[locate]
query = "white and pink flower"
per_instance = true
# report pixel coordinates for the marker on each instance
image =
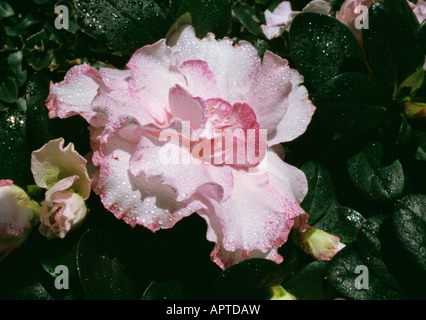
(62, 171)
(209, 84)
(18, 213)
(280, 19)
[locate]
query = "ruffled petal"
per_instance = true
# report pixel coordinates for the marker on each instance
(269, 91)
(298, 115)
(200, 80)
(152, 77)
(272, 32)
(115, 101)
(186, 107)
(232, 65)
(244, 227)
(136, 200)
(53, 162)
(281, 16)
(74, 95)
(169, 160)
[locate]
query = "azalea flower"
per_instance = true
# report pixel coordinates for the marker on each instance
(62, 171)
(17, 215)
(186, 84)
(280, 19)
(419, 10)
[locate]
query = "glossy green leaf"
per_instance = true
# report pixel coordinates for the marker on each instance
(390, 42)
(208, 15)
(320, 197)
(351, 102)
(161, 290)
(346, 279)
(123, 25)
(38, 132)
(14, 160)
(249, 278)
(342, 222)
(379, 181)
(101, 273)
(322, 47)
(403, 241)
(309, 283)
(409, 221)
(369, 248)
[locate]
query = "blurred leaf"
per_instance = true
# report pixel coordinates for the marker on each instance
(5, 10)
(323, 47)
(351, 102)
(22, 27)
(8, 90)
(240, 12)
(378, 181)
(159, 290)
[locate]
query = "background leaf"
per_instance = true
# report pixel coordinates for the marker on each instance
(322, 47)
(351, 103)
(123, 25)
(376, 180)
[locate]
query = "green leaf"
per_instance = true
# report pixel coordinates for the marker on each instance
(22, 27)
(37, 52)
(249, 278)
(403, 240)
(320, 197)
(342, 222)
(342, 275)
(5, 10)
(9, 90)
(208, 16)
(123, 25)
(240, 12)
(390, 42)
(159, 290)
(409, 221)
(351, 103)
(322, 47)
(378, 181)
(369, 248)
(38, 132)
(55, 252)
(14, 160)
(309, 282)
(101, 273)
